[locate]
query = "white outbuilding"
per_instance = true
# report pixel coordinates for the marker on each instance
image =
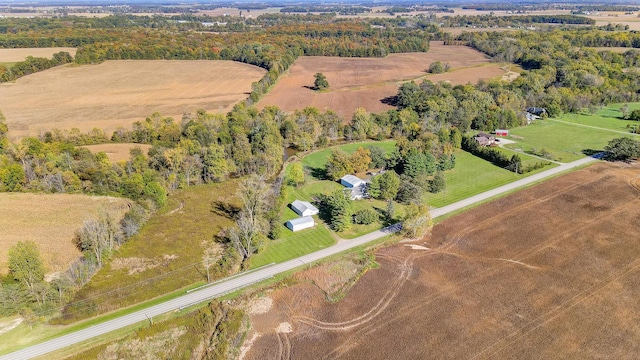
(300, 223)
(352, 181)
(304, 208)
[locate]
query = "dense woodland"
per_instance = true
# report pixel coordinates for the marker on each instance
(560, 74)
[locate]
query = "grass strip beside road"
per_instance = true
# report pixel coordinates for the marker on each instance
(9, 344)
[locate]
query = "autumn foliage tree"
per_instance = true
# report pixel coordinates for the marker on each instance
(417, 221)
(338, 164)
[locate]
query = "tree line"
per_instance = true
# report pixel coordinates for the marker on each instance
(25, 291)
(32, 65)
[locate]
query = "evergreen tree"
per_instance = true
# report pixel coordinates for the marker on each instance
(438, 183)
(340, 210)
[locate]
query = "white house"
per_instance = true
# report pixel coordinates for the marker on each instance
(300, 223)
(352, 181)
(356, 185)
(304, 208)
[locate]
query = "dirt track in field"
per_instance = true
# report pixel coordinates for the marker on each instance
(370, 82)
(549, 272)
(118, 93)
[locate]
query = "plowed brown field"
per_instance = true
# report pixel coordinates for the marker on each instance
(367, 82)
(118, 93)
(549, 272)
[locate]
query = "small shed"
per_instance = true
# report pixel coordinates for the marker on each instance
(352, 181)
(500, 132)
(300, 223)
(304, 208)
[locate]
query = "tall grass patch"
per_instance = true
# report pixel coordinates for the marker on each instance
(166, 255)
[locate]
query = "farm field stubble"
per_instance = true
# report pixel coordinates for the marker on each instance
(549, 272)
(118, 93)
(15, 55)
(370, 82)
(50, 220)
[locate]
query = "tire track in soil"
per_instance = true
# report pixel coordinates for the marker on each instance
(635, 183)
(406, 268)
(284, 346)
(280, 347)
(382, 321)
(457, 236)
(554, 313)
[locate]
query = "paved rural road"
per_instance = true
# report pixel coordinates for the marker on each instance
(240, 281)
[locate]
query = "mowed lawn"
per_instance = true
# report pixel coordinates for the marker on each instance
(294, 245)
(566, 142)
(527, 160)
(472, 175)
(609, 117)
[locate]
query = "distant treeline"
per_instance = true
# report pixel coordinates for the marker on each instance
(342, 10)
(515, 20)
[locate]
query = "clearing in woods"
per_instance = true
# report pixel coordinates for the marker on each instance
(50, 220)
(118, 93)
(371, 83)
(15, 55)
(117, 151)
(548, 272)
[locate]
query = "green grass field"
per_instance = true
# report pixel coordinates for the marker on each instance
(295, 245)
(526, 159)
(613, 110)
(566, 142)
(472, 176)
(609, 117)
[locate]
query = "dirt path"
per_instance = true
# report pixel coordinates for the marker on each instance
(6, 327)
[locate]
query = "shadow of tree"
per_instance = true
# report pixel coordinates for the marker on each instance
(590, 152)
(224, 209)
(384, 219)
(324, 210)
(319, 173)
(390, 100)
